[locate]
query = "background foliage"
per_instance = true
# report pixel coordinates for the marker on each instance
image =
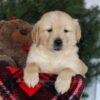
(31, 10)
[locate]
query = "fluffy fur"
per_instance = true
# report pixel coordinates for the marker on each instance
(13, 35)
(43, 57)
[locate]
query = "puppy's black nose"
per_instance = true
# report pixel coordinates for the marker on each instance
(58, 42)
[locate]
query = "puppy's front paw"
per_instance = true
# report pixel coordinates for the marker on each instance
(31, 79)
(62, 84)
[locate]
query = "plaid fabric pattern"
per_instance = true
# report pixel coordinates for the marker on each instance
(12, 86)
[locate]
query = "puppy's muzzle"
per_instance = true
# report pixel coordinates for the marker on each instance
(58, 43)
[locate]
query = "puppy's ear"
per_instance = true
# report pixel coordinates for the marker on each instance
(78, 30)
(35, 34)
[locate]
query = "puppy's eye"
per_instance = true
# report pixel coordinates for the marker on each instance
(50, 30)
(65, 30)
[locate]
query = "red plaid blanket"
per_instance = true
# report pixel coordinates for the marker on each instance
(12, 86)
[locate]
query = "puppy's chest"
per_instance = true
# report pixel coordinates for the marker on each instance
(53, 64)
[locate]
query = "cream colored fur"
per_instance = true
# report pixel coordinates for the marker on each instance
(43, 58)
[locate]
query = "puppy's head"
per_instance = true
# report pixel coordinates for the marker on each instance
(56, 31)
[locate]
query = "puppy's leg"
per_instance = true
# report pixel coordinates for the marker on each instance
(63, 80)
(31, 75)
(1, 98)
(80, 68)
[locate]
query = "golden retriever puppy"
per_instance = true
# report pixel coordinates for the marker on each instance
(54, 50)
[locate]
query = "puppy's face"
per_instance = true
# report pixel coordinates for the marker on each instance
(56, 31)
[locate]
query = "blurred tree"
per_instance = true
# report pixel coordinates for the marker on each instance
(90, 43)
(31, 10)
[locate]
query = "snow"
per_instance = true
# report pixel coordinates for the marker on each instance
(90, 3)
(95, 61)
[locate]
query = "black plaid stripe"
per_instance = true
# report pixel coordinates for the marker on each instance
(5, 93)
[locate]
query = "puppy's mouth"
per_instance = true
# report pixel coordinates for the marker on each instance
(57, 48)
